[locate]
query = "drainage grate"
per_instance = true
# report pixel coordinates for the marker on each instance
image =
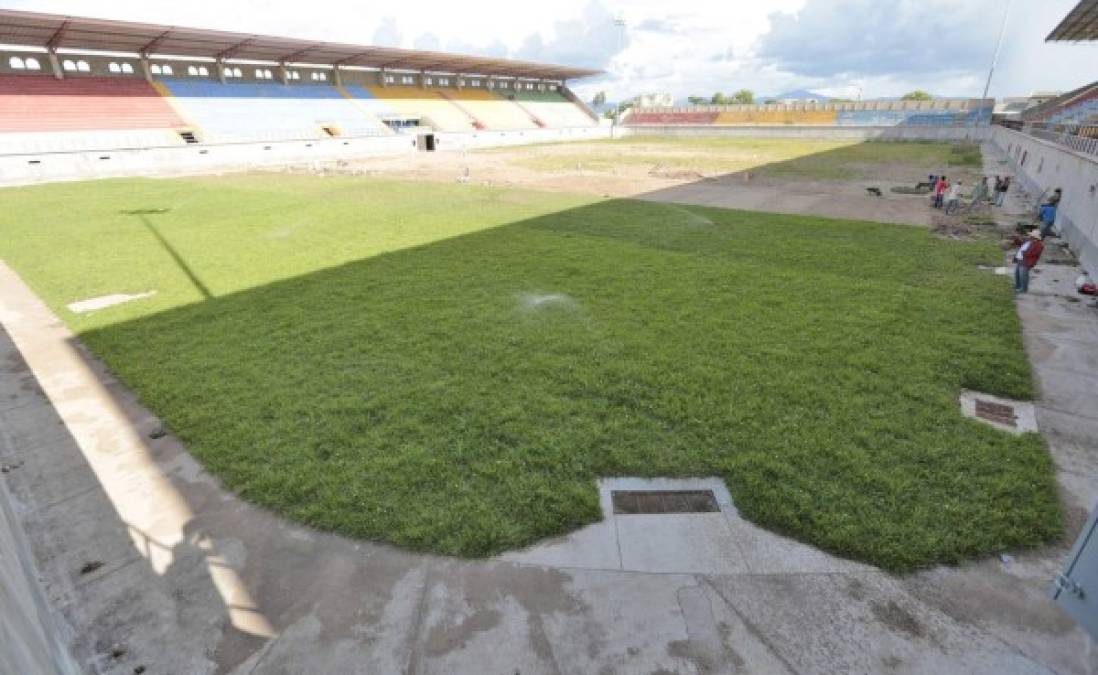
(664, 501)
(996, 412)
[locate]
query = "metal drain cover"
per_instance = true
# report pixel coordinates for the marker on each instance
(996, 412)
(664, 501)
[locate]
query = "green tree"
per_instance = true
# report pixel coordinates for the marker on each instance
(697, 100)
(917, 95)
(599, 100)
(718, 99)
(744, 96)
(618, 112)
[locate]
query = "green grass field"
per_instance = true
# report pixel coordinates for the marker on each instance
(450, 368)
(791, 158)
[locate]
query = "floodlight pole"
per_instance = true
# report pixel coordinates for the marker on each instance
(998, 44)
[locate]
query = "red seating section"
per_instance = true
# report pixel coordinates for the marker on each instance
(43, 103)
(672, 118)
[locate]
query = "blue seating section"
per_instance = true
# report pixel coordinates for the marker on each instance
(1085, 112)
(928, 118)
(253, 110)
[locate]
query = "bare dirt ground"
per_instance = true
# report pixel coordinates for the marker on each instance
(777, 175)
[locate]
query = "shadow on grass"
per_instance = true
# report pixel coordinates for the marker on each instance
(171, 251)
(462, 396)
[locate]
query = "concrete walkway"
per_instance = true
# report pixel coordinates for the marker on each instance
(180, 576)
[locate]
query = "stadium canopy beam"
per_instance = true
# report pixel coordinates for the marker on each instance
(350, 60)
(1080, 24)
(234, 50)
(58, 34)
(293, 56)
(103, 35)
(51, 50)
(154, 44)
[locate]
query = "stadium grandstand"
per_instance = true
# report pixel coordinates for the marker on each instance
(1076, 107)
(70, 84)
(936, 113)
(1070, 119)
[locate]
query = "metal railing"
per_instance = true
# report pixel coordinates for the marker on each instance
(1078, 137)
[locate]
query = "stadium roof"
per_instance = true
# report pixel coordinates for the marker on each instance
(1081, 24)
(70, 32)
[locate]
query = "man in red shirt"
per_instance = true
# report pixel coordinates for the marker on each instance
(939, 191)
(1024, 260)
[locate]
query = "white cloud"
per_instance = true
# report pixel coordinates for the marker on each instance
(388, 34)
(685, 47)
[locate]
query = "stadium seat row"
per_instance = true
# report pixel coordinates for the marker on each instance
(800, 116)
(215, 112)
(1082, 110)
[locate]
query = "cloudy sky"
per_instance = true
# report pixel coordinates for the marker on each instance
(838, 47)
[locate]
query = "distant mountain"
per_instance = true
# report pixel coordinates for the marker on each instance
(796, 94)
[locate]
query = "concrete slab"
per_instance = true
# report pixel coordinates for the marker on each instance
(711, 543)
(591, 547)
(623, 623)
(1025, 416)
(873, 625)
(32, 425)
(1068, 392)
(675, 542)
(1063, 353)
(696, 542)
(765, 552)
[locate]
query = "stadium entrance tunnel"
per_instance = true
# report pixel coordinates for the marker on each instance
(425, 142)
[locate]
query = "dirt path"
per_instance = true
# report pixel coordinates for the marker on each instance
(674, 175)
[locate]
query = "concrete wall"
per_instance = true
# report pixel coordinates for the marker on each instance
(820, 132)
(23, 169)
(164, 161)
(1043, 166)
(30, 637)
(491, 139)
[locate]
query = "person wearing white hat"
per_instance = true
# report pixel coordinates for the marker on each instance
(1025, 259)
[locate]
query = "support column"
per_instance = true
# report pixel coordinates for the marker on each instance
(55, 65)
(423, 79)
(219, 66)
(382, 78)
(459, 81)
(146, 69)
(337, 77)
(283, 74)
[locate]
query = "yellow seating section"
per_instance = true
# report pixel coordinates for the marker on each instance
(427, 104)
(492, 110)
